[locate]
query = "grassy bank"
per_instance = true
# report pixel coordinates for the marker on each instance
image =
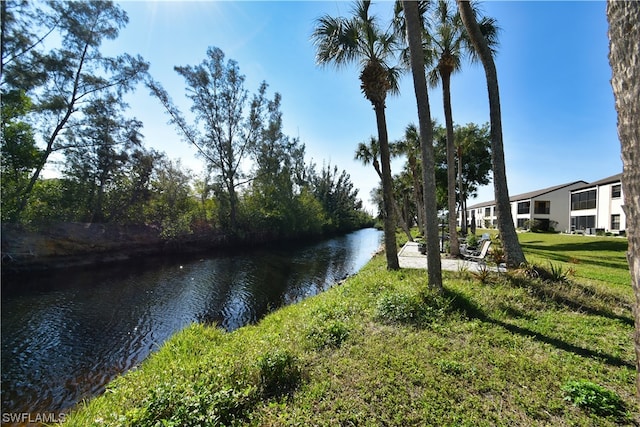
(381, 350)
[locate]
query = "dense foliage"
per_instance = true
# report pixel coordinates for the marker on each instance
(63, 106)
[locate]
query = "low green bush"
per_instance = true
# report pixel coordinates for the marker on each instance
(328, 334)
(419, 309)
(594, 398)
(279, 373)
(168, 405)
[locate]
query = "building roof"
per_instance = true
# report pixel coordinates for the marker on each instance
(604, 181)
(529, 195)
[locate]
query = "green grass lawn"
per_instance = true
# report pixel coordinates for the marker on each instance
(382, 350)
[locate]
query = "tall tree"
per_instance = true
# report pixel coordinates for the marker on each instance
(277, 159)
(360, 39)
(472, 142)
(369, 154)
(414, 38)
(226, 121)
(624, 54)
(20, 154)
(446, 46)
(74, 72)
(410, 147)
(99, 148)
(513, 252)
(338, 197)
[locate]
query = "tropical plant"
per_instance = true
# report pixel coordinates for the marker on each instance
(472, 142)
(446, 46)
(369, 154)
(624, 50)
(410, 147)
(414, 38)
(513, 251)
(360, 39)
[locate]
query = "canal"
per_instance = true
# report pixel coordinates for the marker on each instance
(65, 335)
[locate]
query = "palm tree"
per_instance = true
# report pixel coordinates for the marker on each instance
(369, 154)
(624, 51)
(513, 252)
(472, 141)
(414, 37)
(410, 147)
(341, 41)
(445, 47)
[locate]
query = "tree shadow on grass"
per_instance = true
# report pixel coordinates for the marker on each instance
(562, 251)
(472, 311)
(575, 296)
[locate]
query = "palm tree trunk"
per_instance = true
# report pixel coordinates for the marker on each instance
(454, 247)
(463, 195)
(414, 35)
(417, 192)
(390, 244)
(401, 221)
(624, 51)
(512, 250)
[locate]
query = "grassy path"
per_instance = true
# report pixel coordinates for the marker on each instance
(381, 350)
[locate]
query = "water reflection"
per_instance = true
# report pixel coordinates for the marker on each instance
(64, 336)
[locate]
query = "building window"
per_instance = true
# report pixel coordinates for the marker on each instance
(615, 222)
(583, 200)
(487, 211)
(524, 207)
(616, 191)
(522, 222)
(542, 207)
(583, 222)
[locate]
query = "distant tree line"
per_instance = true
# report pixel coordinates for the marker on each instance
(63, 104)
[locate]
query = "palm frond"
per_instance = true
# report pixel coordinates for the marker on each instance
(433, 77)
(394, 74)
(335, 40)
(489, 29)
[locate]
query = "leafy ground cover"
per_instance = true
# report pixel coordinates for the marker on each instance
(529, 347)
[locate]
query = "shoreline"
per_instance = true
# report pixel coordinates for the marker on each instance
(81, 245)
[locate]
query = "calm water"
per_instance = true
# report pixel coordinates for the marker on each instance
(64, 336)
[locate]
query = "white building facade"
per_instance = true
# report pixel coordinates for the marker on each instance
(597, 207)
(545, 209)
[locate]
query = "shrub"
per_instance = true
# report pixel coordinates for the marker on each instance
(279, 373)
(530, 271)
(416, 309)
(472, 240)
(484, 275)
(328, 334)
(170, 406)
(594, 398)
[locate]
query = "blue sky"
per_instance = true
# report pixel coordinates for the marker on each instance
(559, 121)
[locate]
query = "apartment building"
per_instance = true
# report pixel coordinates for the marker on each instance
(548, 208)
(598, 207)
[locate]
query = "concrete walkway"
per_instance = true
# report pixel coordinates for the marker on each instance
(410, 257)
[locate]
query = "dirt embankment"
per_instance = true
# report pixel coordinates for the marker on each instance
(78, 244)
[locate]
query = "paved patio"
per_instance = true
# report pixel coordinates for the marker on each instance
(410, 257)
